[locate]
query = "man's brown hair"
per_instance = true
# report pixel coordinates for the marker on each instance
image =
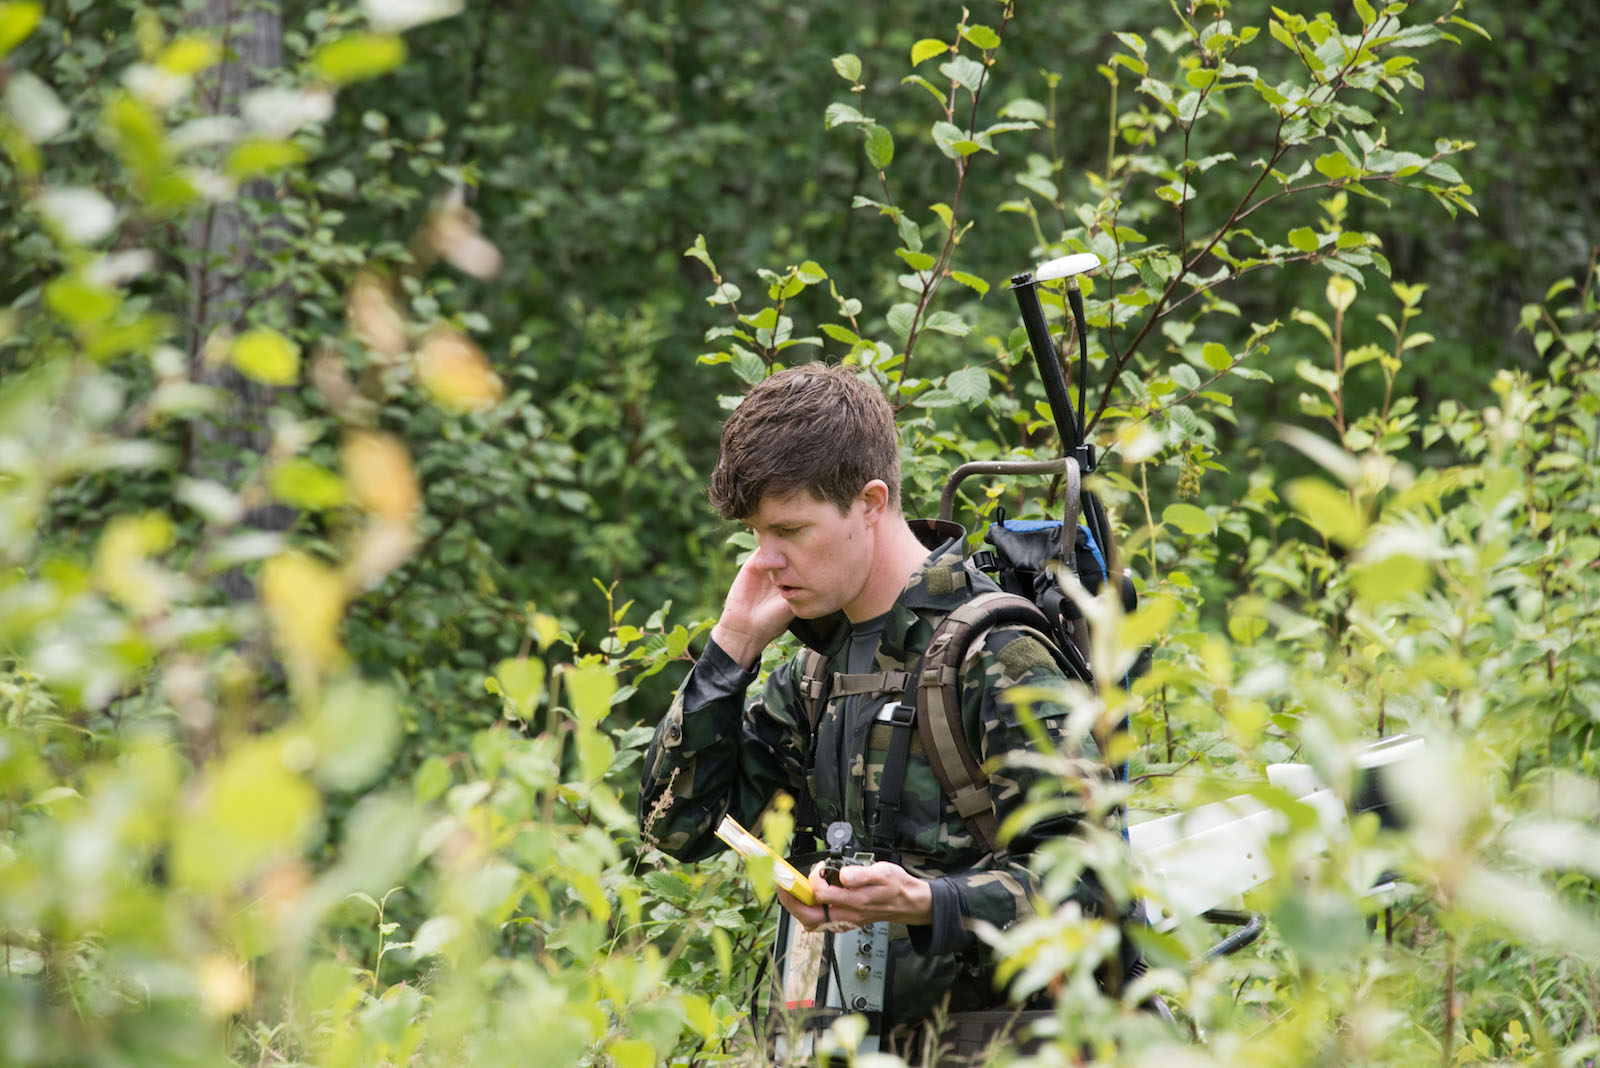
(815, 428)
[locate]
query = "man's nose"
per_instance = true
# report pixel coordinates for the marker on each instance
(768, 557)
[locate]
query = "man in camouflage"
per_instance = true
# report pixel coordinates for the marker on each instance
(810, 462)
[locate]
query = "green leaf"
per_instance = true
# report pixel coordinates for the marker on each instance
(1215, 356)
(982, 36)
(840, 114)
(698, 251)
(359, 57)
(910, 233)
(590, 688)
(841, 334)
(190, 54)
(879, 147)
(933, 90)
(17, 21)
(1341, 293)
(1327, 509)
(266, 356)
(937, 397)
(1035, 183)
(749, 367)
(307, 485)
(355, 731)
(1024, 109)
(1303, 238)
(1320, 377)
(917, 261)
(1189, 519)
(963, 71)
(945, 136)
(78, 300)
(522, 682)
(971, 281)
(948, 322)
(250, 810)
(256, 157)
(848, 66)
(899, 319)
(926, 49)
(1334, 165)
(765, 319)
(632, 1053)
(970, 384)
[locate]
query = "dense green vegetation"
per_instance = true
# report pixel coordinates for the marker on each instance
(360, 366)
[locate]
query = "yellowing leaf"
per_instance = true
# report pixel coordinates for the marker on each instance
(1151, 619)
(632, 1053)
(16, 23)
(258, 156)
(522, 681)
(121, 564)
(926, 49)
(359, 56)
(190, 54)
(251, 811)
(456, 372)
(1327, 509)
(377, 470)
(224, 985)
(453, 232)
(1341, 292)
(306, 485)
(544, 628)
(590, 688)
(266, 356)
(376, 321)
(304, 602)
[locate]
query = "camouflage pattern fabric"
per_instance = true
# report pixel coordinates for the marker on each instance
(726, 756)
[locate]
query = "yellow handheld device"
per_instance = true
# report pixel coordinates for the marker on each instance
(748, 845)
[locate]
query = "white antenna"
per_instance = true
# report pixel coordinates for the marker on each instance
(1067, 267)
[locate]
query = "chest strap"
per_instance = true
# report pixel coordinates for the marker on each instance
(894, 682)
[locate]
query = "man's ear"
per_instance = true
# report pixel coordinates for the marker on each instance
(875, 497)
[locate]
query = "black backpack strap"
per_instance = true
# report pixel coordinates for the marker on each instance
(815, 682)
(891, 782)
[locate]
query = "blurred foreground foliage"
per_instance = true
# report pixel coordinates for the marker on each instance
(329, 642)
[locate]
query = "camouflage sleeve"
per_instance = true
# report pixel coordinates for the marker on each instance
(1000, 894)
(713, 755)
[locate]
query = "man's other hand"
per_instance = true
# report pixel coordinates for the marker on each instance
(754, 615)
(870, 893)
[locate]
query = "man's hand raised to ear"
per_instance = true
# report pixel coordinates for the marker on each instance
(754, 615)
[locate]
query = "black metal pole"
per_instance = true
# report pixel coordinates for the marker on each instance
(1044, 355)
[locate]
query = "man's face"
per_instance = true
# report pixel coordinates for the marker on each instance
(818, 557)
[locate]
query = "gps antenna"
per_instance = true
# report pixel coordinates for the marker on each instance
(1069, 422)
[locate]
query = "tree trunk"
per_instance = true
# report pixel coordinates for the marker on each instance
(227, 245)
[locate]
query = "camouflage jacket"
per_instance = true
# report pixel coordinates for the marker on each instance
(715, 754)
